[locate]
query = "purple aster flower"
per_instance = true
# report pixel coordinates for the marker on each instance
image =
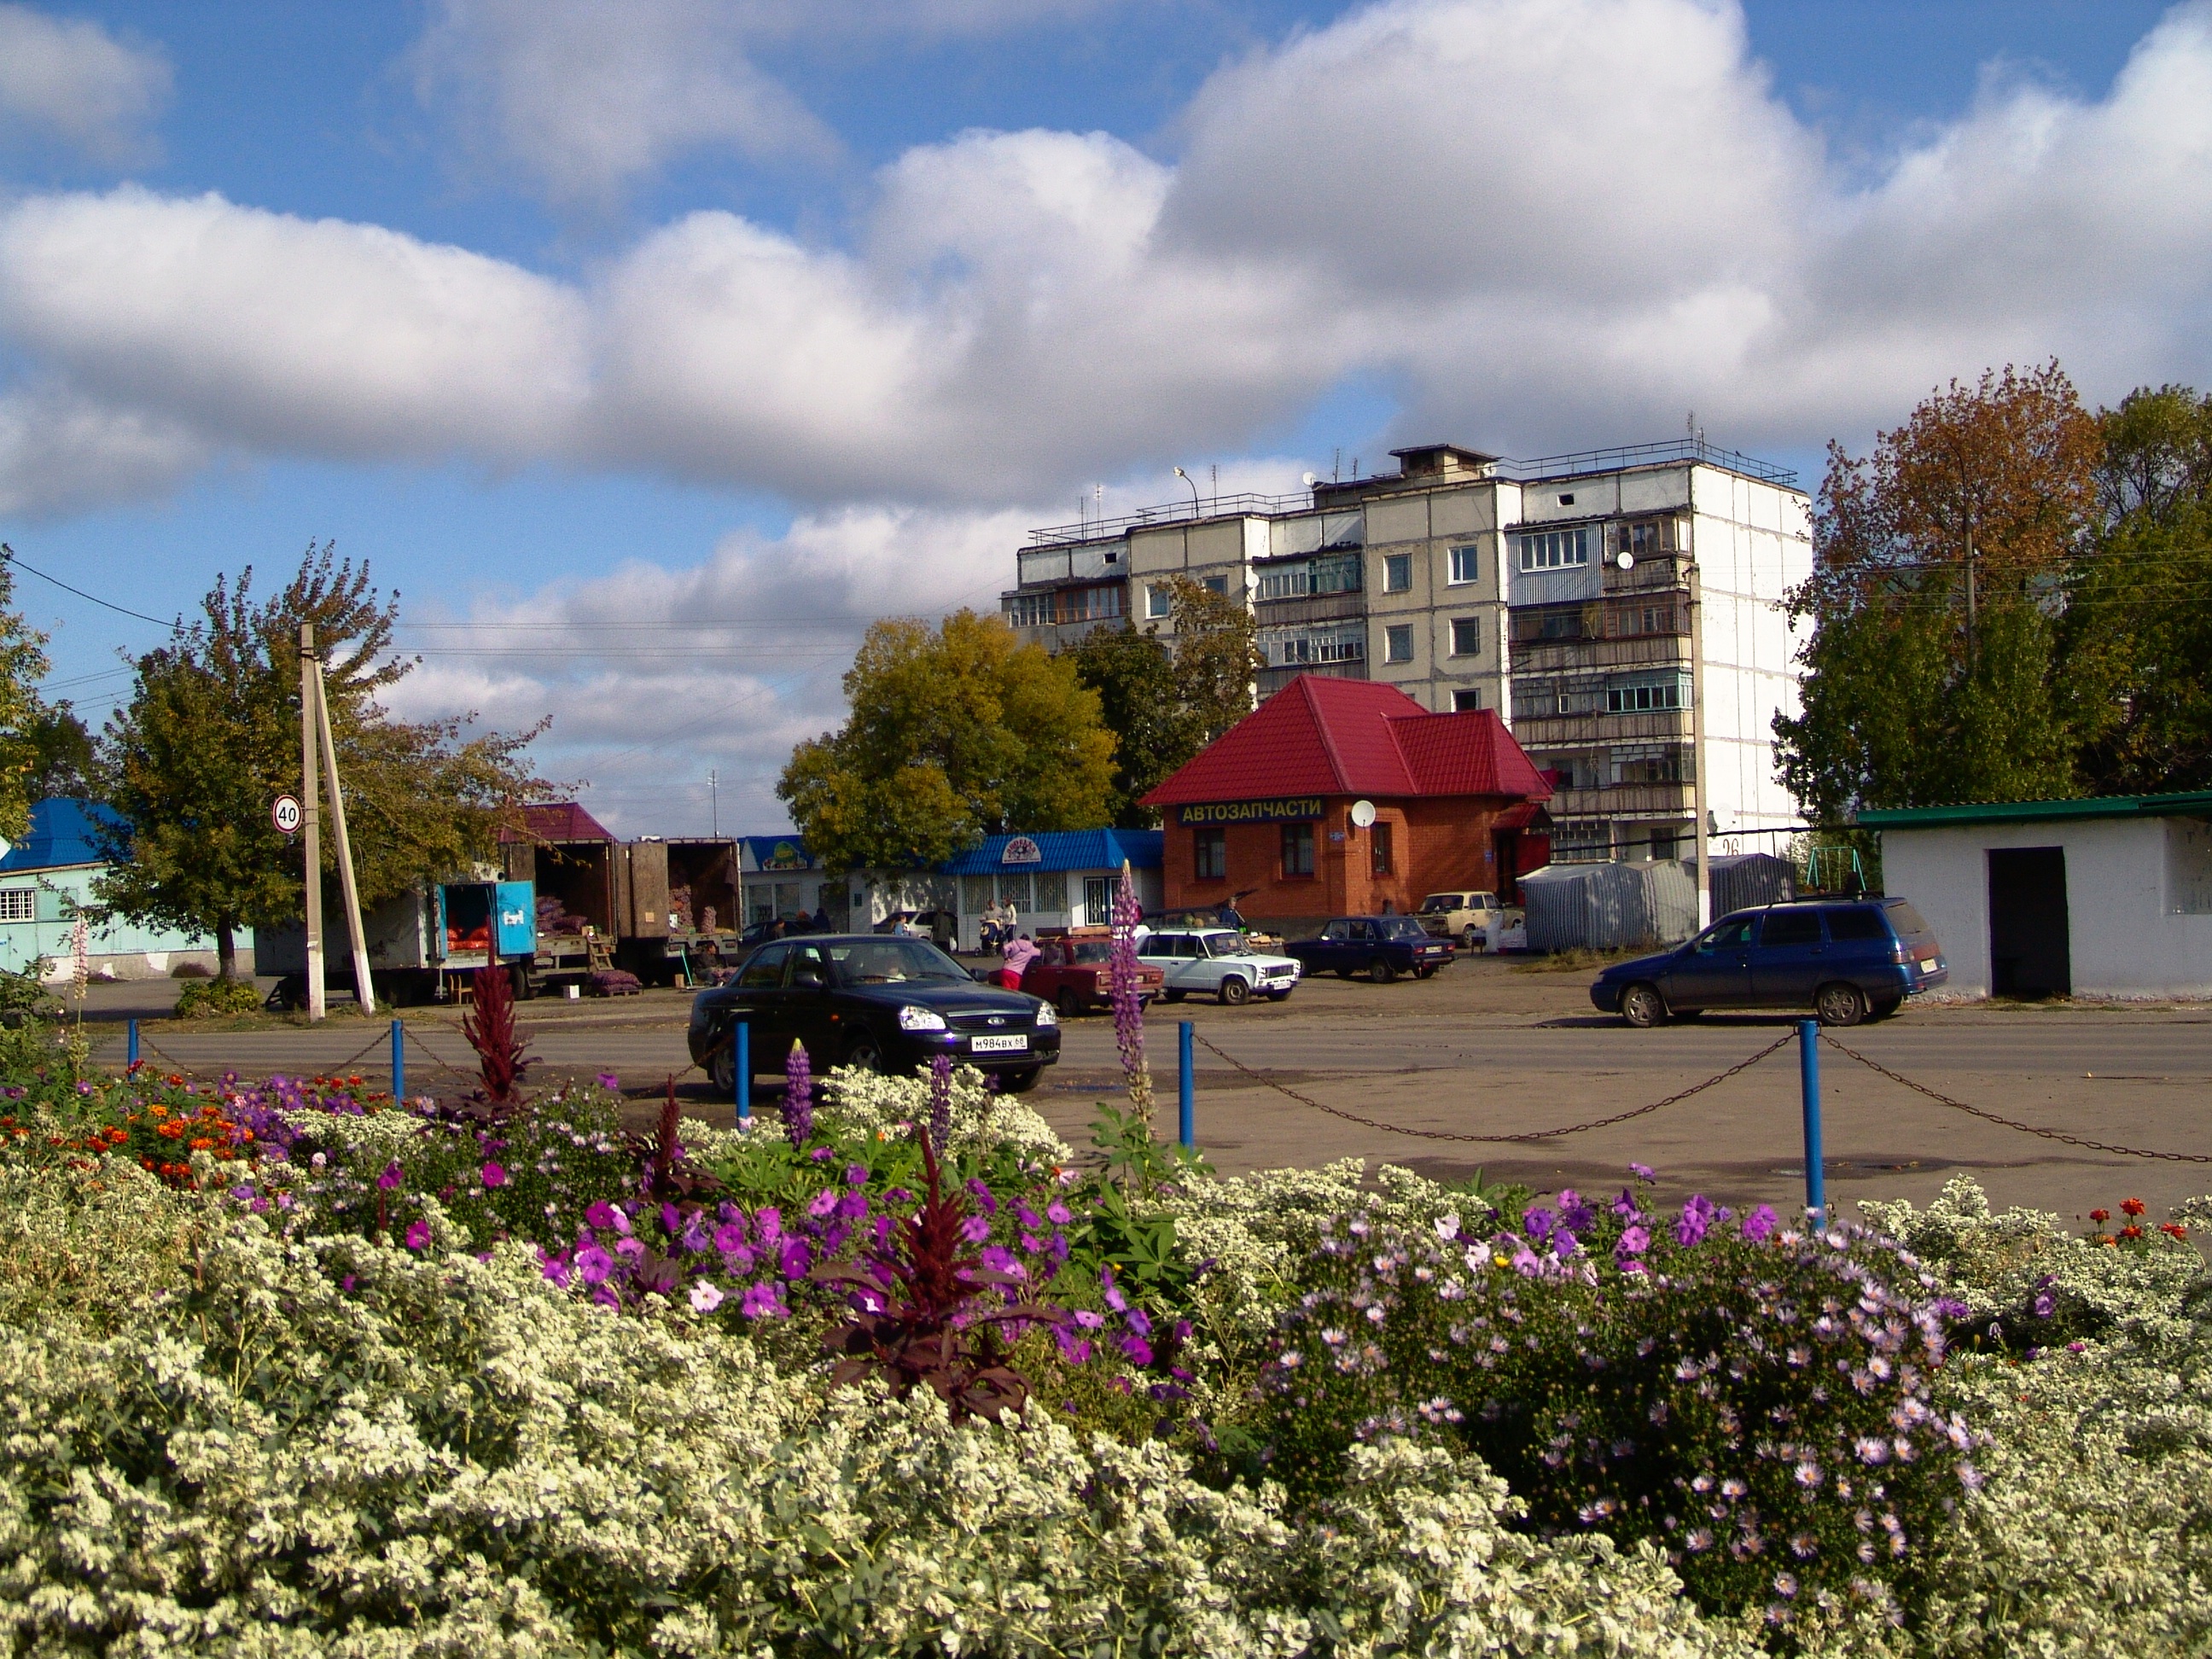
(1759, 1224)
(391, 1176)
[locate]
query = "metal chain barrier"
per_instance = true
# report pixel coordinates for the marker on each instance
(433, 1057)
(1773, 1047)
(1941, 1099)
(179, 1066)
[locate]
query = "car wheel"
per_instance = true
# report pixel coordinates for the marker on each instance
(1885, 1008)
(1170, 996)
(1473, 938)
(1381, 971)
(1070, 1003)
(864, 1052)
(1838, 1004)
(1424, 973)
(1642, 1007)
(1236, 992)
(1019, 1082)
(723, 1069)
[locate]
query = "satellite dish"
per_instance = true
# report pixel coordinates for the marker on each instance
(1309, 481)
(1626, 561)
(1363, 814)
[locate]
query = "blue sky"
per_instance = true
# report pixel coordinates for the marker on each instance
(586, 323)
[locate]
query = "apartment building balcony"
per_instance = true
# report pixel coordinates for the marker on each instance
(1580, 731)
(1297, 612)
(1617, 803)
(1273, 680)
(1579, 656)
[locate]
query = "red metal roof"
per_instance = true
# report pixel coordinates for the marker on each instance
(1319, 735)
(559, 821)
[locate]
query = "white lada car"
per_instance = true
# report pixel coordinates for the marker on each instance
(1215, 961)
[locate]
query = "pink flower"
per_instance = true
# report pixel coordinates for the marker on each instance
(418, 1235)
(1634, 1241)
(601, 1214)
(705, 1297)
(391, 1177)
(493, 1176)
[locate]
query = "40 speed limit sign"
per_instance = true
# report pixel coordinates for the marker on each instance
(284, 813)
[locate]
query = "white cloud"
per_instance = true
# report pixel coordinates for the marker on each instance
(72, 81)
(60, 452)
(1544, 223)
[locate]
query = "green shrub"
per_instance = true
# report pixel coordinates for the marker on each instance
(212, 999)
(1753, 1399)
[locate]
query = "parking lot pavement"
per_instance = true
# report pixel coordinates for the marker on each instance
(1484, 1050)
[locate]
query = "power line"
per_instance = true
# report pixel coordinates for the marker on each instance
(8, 554)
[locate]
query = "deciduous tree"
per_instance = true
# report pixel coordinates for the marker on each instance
(955, 733)
(1217, 658)
(211, 736)
(1941, 561)
(22, 664)
(1141, 703)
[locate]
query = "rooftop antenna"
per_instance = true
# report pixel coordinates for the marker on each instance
(1355, 468)
(1213, 480)
(1336, 465)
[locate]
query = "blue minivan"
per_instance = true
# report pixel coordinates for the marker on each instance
(1846, 960)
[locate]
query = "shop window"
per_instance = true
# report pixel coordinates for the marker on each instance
(1210, 854)
(1297, 850)
(1379, 842)
(1467, 637)
(1398, 644)
(1397, 573)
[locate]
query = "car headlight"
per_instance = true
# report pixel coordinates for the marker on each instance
(912, 1018)
(1045, 1016)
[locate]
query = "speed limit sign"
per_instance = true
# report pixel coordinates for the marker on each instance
(285, 814)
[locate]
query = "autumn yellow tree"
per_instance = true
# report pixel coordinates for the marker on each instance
(955, 733)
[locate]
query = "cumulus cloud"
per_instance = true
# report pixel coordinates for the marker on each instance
(61, 452)
(71, 81)
(1543, 223)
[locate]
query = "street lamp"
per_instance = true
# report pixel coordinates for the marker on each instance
(1193, 482)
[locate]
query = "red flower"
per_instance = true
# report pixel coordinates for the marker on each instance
(2100, 1215)
(2132, 1205)
(2172, 1231)
(2131, 1233)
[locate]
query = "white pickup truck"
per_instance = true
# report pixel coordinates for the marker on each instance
(1466, 917)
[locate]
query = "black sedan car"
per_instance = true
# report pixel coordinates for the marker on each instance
(888, 1004)
(1381, 947)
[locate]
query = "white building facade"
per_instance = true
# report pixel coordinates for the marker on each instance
(1555, 591)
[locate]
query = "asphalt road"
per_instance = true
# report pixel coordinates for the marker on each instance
(1481, 1050)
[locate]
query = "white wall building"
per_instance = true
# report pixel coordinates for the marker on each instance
(1555, 591)
(2107, 897)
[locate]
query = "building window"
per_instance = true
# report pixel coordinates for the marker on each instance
(1554, 550)
(1216, 585)
(1301, 647)
(1340, 574)
(1397, 573)
(1297, 850)
(1209, 858)
(1644, 696)
(1092, 604)
(18, 904)
(1467, 637)
(1158, 602)
(1467, 703)
(1028, 610)
(1651, 763)
(1379, 840)
(1464, 565)
(1647, 537)
(1398, 644)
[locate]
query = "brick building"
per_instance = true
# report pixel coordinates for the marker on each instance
(1264, 813)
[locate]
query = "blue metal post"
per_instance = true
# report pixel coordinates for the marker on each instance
(130, 1045)
(1808, 1074)
(1186, 1118)
(398, 1061)
(744, 1057)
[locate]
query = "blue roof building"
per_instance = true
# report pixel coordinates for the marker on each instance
(45, 882)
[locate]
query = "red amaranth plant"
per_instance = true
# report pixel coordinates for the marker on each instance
(490, 1031)
(915, 1321)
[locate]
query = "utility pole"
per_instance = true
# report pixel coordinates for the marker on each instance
(1970, 600)
(1698, 741)
(715, 802)
(364, 990)
(310, 829)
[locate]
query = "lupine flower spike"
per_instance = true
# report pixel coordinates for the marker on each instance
(1129, 1013)
(797, 1096)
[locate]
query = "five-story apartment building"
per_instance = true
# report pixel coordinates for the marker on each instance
(1556, 592)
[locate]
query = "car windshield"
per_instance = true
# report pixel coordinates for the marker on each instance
(1225, 944)
(891, 960)
(1906, 920)
(1399, 928)
(1436, 902)
(1091, 949)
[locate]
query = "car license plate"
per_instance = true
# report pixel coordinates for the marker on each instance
(1000, 1045)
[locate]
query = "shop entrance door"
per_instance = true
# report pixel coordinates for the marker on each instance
(2030, 953)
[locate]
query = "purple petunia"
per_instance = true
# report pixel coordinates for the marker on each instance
(1537, 1224)
(418, 1235)
(823, 1202)
(975, 1229)
(593, 1265)
(1695, 1221)
(764, 1300)
(1575, 1216)
(1633, 1241)
(1759, 1224)
(391, 1176)
(600, 1215)
(1643, 1172)
(494, 1174)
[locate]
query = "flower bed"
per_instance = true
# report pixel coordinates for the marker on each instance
(905, 1372)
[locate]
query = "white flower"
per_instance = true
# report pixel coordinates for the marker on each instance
(705, 1298)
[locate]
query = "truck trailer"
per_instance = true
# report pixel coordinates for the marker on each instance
(417, 941)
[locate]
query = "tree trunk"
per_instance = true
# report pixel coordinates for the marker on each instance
(225, 951)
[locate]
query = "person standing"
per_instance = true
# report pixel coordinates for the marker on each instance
(1017, 955)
